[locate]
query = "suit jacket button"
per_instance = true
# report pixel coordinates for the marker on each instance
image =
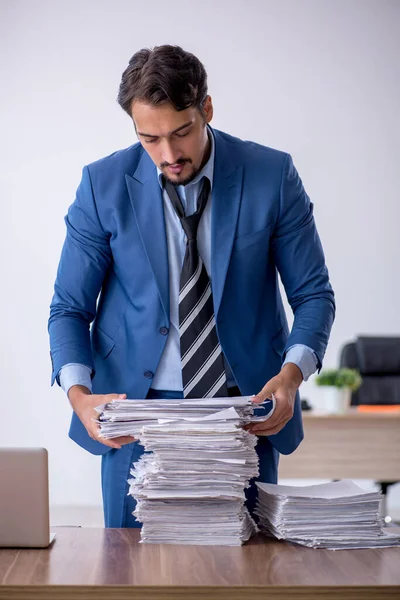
(148, 374)
(164, 330)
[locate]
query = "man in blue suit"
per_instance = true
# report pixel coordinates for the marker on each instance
(182, 235)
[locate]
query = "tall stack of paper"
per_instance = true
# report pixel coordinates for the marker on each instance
(190, 484)
(334, 515)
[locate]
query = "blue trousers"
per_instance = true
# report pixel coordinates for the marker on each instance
(116, 464)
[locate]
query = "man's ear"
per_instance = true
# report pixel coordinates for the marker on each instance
(208, 109)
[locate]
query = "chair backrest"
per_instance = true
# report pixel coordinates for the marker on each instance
(378, 360)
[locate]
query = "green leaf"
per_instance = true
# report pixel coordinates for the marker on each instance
(340, 378)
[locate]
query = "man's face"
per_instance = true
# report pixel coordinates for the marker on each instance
(176, 141)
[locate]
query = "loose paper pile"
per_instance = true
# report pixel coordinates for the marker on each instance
(189, 486)
(129, 417)
(336, 515)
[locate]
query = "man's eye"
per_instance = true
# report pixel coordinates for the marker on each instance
(150, 141)
(182, 134)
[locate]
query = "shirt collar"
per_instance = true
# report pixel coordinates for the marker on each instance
(206, 171)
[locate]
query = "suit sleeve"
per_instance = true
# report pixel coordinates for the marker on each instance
(300, 260)
(85, 260)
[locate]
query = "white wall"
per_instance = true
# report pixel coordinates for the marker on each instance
(317, 78)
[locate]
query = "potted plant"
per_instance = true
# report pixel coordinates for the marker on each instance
(338, 385)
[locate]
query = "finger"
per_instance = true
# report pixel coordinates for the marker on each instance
(273, 431)
(125, 439)
(271, 423)
(115, 396)
(262, 429)
(114, 442)
(117, 442)
(268, 427)
(260, 426)
(109, 443)
(281, 413)
(95, 434)
(266, 392)
(276, 418)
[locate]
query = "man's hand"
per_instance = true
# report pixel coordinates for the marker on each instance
(284, 387)
(84, 403)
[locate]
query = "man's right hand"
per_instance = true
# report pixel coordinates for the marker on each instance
(84, 403)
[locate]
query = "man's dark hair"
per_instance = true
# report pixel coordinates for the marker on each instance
(163, 74)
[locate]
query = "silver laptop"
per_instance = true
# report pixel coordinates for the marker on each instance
(24, 498)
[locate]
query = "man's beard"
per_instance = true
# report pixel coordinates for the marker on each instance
(184, 180)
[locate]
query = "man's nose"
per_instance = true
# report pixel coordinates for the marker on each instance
(169, 154)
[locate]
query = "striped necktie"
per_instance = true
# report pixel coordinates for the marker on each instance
(203, 369)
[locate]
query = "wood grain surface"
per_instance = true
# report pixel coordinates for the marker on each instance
(352, 445)
(88, 563)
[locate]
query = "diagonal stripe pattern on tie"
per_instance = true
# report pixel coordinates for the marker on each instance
(203, 369)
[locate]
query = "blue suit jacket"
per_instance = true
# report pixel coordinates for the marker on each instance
(262, 223)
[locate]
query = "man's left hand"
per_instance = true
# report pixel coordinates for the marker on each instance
(284, 387)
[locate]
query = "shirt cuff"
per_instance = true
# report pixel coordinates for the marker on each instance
(75, 374)
(304, 357)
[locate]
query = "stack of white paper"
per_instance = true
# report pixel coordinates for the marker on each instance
(189, 485)
(334, 515)
(128, 417)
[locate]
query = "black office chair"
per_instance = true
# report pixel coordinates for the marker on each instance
(378, 361)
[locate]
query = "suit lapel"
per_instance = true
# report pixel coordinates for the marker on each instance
(226, 197)
(147, 202)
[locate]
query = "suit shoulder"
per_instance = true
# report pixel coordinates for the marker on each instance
(250, 149)
(262, 164)
(124, 160)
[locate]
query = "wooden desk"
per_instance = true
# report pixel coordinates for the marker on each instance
(352, 445)
(88, 564)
